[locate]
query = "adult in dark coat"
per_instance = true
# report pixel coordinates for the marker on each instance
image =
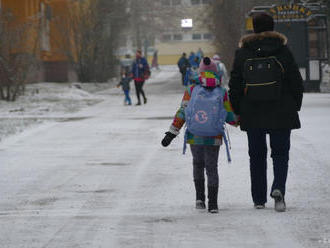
(183, 65)
(276, 118)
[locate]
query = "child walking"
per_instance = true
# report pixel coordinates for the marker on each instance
(125, 84)
(204, 149)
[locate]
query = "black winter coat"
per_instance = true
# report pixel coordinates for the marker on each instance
(269, 115)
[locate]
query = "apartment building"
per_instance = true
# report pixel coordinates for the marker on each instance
(186, 30)
(37, 15)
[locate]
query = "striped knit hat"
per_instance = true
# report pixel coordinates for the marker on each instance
(208, 73)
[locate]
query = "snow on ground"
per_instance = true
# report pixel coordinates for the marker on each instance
(46, 101)
(53, 101)
(101, 179)
(325, 84)
(165, 72)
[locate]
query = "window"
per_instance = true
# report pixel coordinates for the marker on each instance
(166, 2)
(177, 37)
(176, 2)
(166, 37)
(207, 36)
(171, 2)
(196, 36)
(194, 2)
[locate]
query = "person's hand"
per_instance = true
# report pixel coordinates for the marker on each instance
(168, 139)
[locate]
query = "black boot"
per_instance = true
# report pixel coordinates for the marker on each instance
(200, 194)
(213, 199)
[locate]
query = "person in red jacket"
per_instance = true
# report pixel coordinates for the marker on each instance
(140, 72)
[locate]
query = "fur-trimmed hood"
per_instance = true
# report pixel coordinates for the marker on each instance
(270, 35)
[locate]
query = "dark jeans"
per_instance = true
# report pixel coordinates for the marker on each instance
(205, 157)
(280, 146)
(139, 90)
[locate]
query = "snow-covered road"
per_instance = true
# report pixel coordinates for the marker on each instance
(101, 179)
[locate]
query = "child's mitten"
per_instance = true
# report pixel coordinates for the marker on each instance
(168, 139)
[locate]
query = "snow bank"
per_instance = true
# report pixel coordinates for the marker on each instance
(47, 101)
(325, 84)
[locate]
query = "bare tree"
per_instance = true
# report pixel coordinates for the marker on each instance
(18, 54)
(89, 33)
(228, 23)
(147, 19)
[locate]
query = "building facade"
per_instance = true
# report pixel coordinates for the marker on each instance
(37, 16)
(183, 28)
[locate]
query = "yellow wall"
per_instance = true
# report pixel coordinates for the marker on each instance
(170, 52)
(26, 20)
(59, 10)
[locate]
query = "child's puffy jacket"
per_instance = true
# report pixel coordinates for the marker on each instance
(179, 120)
(125, 81)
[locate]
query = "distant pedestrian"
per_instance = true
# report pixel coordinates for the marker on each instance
(266, 90)
(125, 84)
(222, 70)
(193, 61)
(200, 54)
(140, 72)
(214, 105)
(154, 63)
(183, 65)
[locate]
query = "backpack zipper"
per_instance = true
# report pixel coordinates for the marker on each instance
(262, 84)
(273, 57)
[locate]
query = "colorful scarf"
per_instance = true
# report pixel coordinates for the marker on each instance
(209, 79)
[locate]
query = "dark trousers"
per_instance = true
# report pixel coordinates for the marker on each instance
(139, 90)
(205, 157)
(183, 75)
(280, 146)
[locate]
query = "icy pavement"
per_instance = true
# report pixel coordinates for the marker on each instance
(101, 179)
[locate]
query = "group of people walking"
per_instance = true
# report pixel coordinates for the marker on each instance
(139, 71)
(188, 67)
(264, 97)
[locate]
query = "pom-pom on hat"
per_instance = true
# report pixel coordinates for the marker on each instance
(208, 65)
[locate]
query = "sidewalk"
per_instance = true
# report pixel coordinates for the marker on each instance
(103, 180)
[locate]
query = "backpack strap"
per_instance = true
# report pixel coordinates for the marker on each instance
(227, 146)
(185, 141)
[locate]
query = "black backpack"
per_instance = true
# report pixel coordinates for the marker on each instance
(263, 78)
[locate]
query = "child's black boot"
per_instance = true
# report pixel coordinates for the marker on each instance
(213, 199)
(200, 194)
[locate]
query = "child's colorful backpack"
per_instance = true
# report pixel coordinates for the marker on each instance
(205, 114)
